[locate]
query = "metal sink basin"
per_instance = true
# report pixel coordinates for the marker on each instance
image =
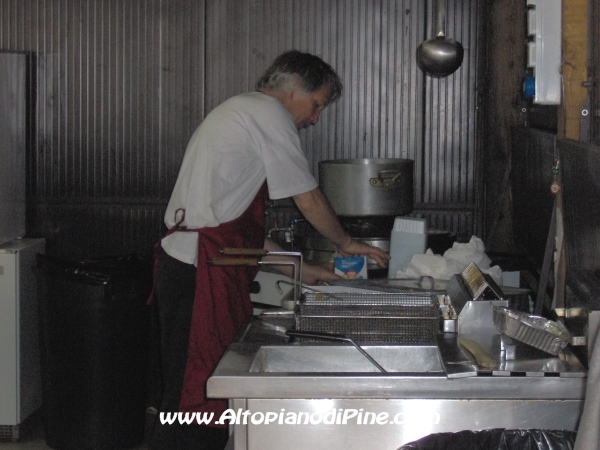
(342, 358)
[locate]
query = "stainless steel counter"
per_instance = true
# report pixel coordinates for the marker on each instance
(264, 374)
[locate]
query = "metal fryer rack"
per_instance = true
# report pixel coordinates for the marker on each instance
(367, 299)
(401, 318)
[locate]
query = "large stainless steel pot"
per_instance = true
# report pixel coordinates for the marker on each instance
(368, 187)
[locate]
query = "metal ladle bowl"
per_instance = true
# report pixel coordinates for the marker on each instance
(440, 56)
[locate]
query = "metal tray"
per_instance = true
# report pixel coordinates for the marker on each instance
(546, 335)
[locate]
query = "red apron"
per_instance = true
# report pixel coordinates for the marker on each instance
(221, 304)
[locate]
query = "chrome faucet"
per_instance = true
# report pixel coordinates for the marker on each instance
(289, 231)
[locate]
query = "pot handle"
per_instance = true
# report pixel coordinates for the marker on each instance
(391, 176)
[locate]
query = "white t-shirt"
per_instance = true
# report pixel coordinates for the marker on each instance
(244, 140)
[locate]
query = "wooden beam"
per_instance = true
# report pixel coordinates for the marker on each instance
(574, 66)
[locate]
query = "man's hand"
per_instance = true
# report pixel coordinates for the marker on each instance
(355, 247)
(317, 210)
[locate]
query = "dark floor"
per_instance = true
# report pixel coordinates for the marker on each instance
(31, 436)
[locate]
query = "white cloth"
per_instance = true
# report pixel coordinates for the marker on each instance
(244, 140)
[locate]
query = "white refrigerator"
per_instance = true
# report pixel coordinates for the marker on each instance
(20, 382)
(20, 385)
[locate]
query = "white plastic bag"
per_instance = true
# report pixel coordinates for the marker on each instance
(474, 251)
(454, 261)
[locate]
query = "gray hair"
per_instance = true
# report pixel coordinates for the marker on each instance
(296, 69)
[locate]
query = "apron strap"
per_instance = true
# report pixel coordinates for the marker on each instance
(157, 247)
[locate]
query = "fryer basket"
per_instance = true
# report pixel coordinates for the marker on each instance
(372, 318)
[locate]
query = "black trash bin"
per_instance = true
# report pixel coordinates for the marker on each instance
(496, 439)
(94, 326)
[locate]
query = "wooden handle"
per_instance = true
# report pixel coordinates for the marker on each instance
(244, 251)
(233, 262)
(482, 356)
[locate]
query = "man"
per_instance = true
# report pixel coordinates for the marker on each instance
(245, 147)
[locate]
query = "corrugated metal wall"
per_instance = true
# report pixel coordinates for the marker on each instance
(371, 44)
(117, 89)
(594, 68)
(449, 167)
(119, 86)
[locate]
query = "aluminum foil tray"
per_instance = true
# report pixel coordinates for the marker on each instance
(546, 335)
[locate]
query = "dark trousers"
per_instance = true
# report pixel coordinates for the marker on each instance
(174, 299)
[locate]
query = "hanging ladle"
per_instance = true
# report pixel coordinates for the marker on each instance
(440, 56)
